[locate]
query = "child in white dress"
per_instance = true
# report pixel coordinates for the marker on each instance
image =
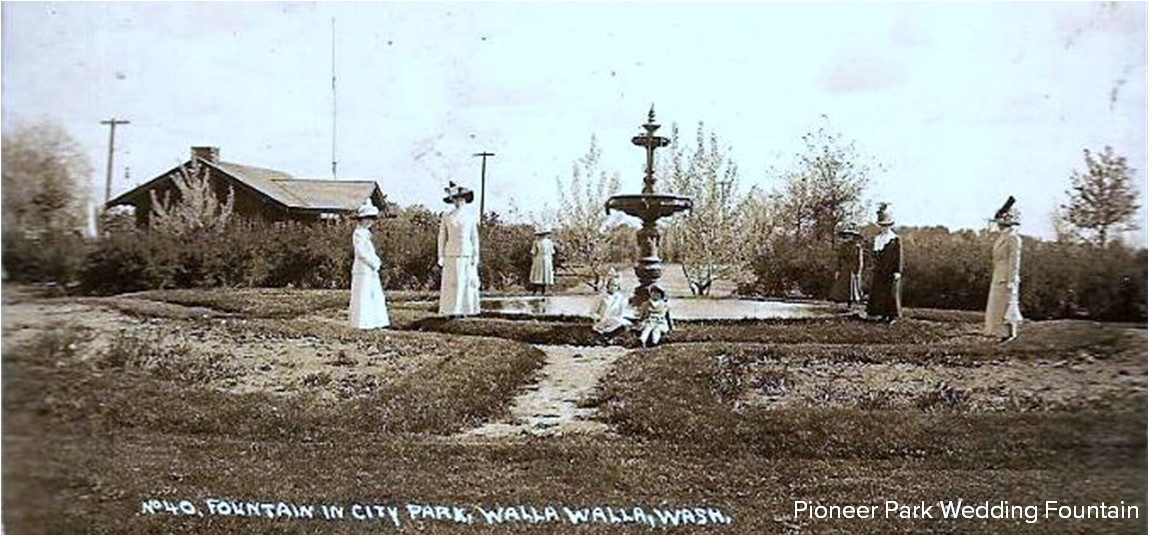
(610, 310)
(656, 320)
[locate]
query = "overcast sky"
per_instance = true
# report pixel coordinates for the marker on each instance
(962, 103)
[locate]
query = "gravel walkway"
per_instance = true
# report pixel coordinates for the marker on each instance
(551, 406)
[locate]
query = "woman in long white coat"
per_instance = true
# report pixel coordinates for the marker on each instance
(368, 308)
(459, 256)
(542, 261)
(1002, 310)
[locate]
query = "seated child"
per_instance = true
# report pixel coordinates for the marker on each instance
(609, 311)
(655, 320)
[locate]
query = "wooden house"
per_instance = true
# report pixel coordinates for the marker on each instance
(260, 194)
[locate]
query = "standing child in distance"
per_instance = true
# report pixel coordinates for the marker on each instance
(542, 261)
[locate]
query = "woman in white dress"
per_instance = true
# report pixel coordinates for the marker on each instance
(1002, 311)
(459, 256)
(368, 309)
(542, 261)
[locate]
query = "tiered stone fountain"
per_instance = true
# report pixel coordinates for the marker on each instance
(649, 207)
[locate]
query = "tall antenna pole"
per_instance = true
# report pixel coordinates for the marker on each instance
(334, 104)
(483, 184)
(111, 149)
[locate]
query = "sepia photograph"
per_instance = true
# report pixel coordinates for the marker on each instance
(531, 267)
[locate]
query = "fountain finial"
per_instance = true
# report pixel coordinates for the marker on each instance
(650, 116)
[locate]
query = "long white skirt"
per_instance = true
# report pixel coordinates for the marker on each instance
(368, 305)
(542, 270)
(1001, 309)
(459, 290)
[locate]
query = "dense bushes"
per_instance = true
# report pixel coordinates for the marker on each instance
(506, 255)
(952, 270)
(943, 269)
(49, 256)
(316, 255)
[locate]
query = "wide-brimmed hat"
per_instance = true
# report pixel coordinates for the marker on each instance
(454, 191)
(366, 211)
(849, 232)
(1008, 214)
(544, 231)
(884, 217)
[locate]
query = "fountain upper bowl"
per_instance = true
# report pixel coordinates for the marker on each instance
(649, 205)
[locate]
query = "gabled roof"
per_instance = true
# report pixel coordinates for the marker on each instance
(318, 194)
(305, 194)
(266, 181)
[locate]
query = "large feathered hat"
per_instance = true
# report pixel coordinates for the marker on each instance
(884, 217)
(1008, 214)
(454, 191)
(849, 232)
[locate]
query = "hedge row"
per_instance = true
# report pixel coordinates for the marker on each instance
(952, 270)
(943, 269)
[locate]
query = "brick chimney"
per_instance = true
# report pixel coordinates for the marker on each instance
(210, 154)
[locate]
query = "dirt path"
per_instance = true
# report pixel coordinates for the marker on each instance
(551, 406)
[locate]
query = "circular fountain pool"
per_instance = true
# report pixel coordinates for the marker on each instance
(681, 309)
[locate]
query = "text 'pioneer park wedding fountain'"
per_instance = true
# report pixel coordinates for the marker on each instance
(649, 207)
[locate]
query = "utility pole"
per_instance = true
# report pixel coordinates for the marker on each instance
(483, 184)
(111, 149)
(334, 105)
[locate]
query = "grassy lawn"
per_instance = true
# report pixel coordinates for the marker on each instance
(264, 395)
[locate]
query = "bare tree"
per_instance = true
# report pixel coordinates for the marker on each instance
(1102, 199)
(46, 179)
(197, 208)
(709, 242)
(583, 224)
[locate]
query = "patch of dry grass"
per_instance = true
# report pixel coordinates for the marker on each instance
(88, 439)
(695, 394)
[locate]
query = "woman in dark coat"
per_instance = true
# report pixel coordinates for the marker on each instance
(886, 286)
(847, 287)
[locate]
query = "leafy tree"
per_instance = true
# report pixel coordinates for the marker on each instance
(583, 224)
(46, 190)
(197, 208)
(795, 226)
(825, 188)
(708, 242)
(46, 179)
(1102, 199)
